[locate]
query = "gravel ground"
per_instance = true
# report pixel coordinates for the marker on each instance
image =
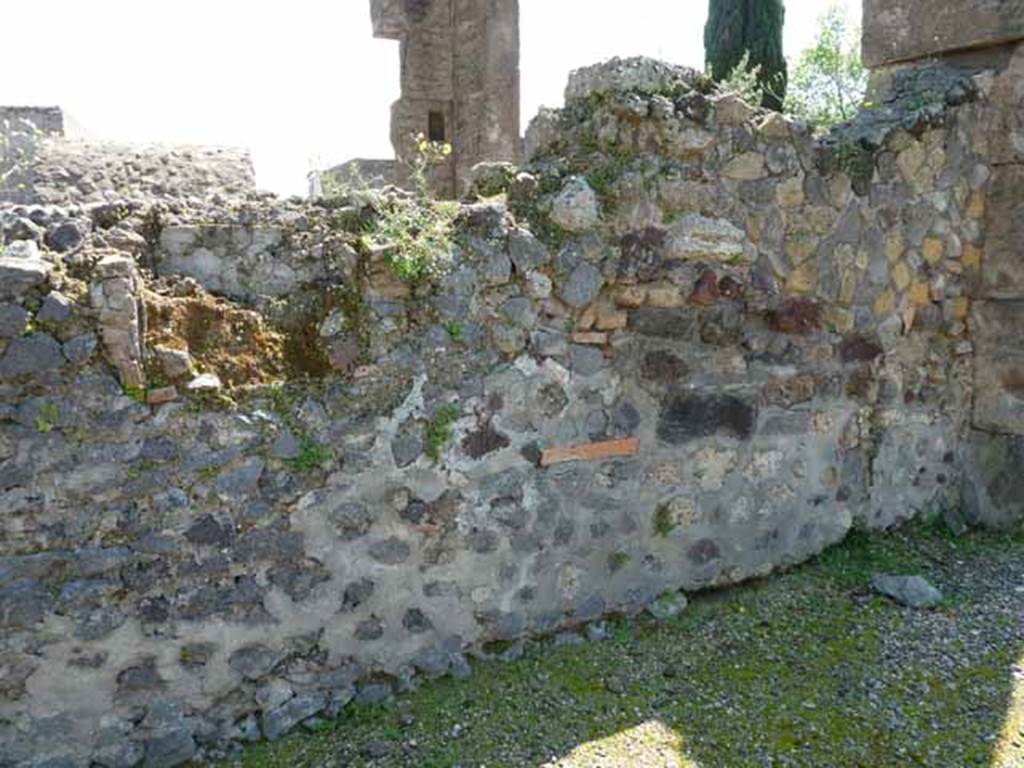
(809, 668)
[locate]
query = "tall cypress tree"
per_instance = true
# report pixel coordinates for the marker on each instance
(753, 27)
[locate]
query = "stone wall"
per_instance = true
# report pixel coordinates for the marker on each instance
(690, 344)
(48, 120)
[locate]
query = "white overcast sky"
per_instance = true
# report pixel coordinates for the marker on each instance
(300, 82)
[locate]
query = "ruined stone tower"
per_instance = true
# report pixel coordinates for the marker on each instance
(459, 80)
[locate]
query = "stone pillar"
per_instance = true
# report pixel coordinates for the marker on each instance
(986, 34)
(459, 79)
(116, 295)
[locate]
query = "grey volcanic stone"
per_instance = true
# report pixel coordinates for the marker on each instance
(391, 551)
(114, 749)
(13, 321)
(21, 269)
(356, 593)
(525, 250)
(23, 604)
(278, 722)
(140, 679)
(298, 580)
(416, 622)
(519, 310)
(576, 208)
(254, 661)
(286, 446)
(407, 445)
(585, 360)
(80, 348)
(496, 268)
(550, 343)
(433, 662)
(247, 729)
(912, 591)
(208, 531)
(171, 748)
(370, 629)
(668, 323)
(374, 693)
(352, 519)
(67, 236)
(20, 228)
(582, 285)
(56, 308)
(690, 417)
(625, 418)
(30, 354)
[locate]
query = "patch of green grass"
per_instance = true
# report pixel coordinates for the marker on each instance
(454, 329)
(138, 394)
(312, 455)
(207, 473)
(439, 432)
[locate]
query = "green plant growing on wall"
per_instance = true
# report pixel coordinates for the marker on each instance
(439, 432)
(47, 417)
(417, 231)
(829, 79)
(312, 455)
(454, 329)
(617, 561)
(138, 394)
(664, 522)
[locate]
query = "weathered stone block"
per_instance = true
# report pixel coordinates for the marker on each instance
(699, 238)
(993, 485)
(999, 366)
(901, 30)
(30, 354)
(18, 275)
(254, 661)
(13, 320)
(1002, 264)
(691, 417)
(278, 722)
(669, 323)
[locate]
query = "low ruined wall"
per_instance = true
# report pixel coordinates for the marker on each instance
(39, 166)
(693, 345)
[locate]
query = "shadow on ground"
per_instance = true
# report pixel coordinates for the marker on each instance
(809, 668)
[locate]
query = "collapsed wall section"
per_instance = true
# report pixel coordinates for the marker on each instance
(40, 166)
(688, 344)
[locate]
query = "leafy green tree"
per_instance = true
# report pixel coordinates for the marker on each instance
(829, 80)
(747, 35)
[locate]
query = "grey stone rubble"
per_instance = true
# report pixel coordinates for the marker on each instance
(912, 591)
(193, 558)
